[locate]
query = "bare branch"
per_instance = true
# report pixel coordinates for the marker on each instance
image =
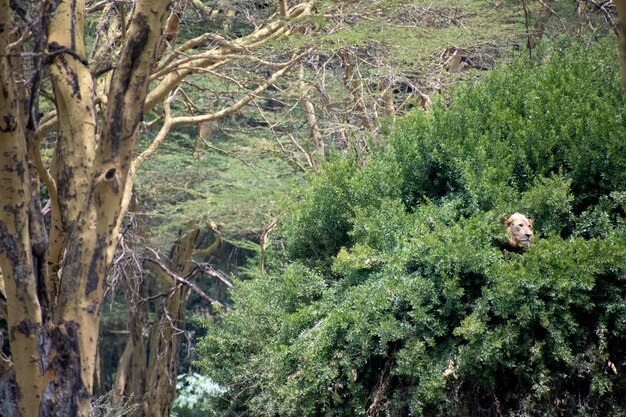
(551, 10)
(205, 268)
(263, 242)
(241, 103)
(272, 30)
(602, 6)
(156, 259)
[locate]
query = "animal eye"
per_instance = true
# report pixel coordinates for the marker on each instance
(521, 225)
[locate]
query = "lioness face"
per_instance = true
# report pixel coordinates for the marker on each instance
(520, 230)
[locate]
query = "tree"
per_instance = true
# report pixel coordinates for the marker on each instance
(54, 281)
(54, 260)
(148, 367)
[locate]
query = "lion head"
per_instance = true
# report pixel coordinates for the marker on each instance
(519, 231)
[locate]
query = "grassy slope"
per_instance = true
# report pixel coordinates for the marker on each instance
(237, 187)
(177, 188)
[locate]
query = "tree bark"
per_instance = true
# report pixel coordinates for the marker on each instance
(282, 8)
(54, 308)
(148, 367)
(166, 335)
(24, 318)
(311, 118)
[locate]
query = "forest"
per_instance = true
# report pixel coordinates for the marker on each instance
(306, 208)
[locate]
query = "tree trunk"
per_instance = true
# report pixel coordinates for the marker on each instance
(54, 306)
(282, 8)
(311, 118)
(166, 335)
(353, 84)
(24, 318)
(148, 367)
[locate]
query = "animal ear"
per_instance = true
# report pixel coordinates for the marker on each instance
(532, 222)
(508, 220)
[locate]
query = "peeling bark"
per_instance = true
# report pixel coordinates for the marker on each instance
(24, 317)
(53, 307)
(73, 89)
(95, 234)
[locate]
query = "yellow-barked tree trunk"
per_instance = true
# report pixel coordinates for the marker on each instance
(53, 278)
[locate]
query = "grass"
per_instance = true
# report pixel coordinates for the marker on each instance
(238, 187)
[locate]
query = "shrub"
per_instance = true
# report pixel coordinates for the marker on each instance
(493, 139)
(396, 299)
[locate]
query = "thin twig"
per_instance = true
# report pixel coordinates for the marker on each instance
(225, 152)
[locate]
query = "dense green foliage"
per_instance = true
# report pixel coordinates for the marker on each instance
(395, 298)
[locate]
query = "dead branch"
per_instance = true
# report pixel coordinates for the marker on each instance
(551, 10)
(156, 259)
(242, 102)
(309, 109)
(306, 154)
(207, 269)
(270, 31)
(602, 6)
(527, 26)
(225, 152)
(385, 378)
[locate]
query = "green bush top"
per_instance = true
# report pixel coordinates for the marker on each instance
(395, 297)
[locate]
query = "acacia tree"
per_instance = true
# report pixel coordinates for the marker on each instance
(54, 260)
(54, 281)
(148, 367)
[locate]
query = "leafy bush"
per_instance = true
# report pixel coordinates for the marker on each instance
(493, 140)
(318, 226)
(396, 298)
(192, 395)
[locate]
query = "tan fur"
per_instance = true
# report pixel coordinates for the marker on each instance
(519, 232)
